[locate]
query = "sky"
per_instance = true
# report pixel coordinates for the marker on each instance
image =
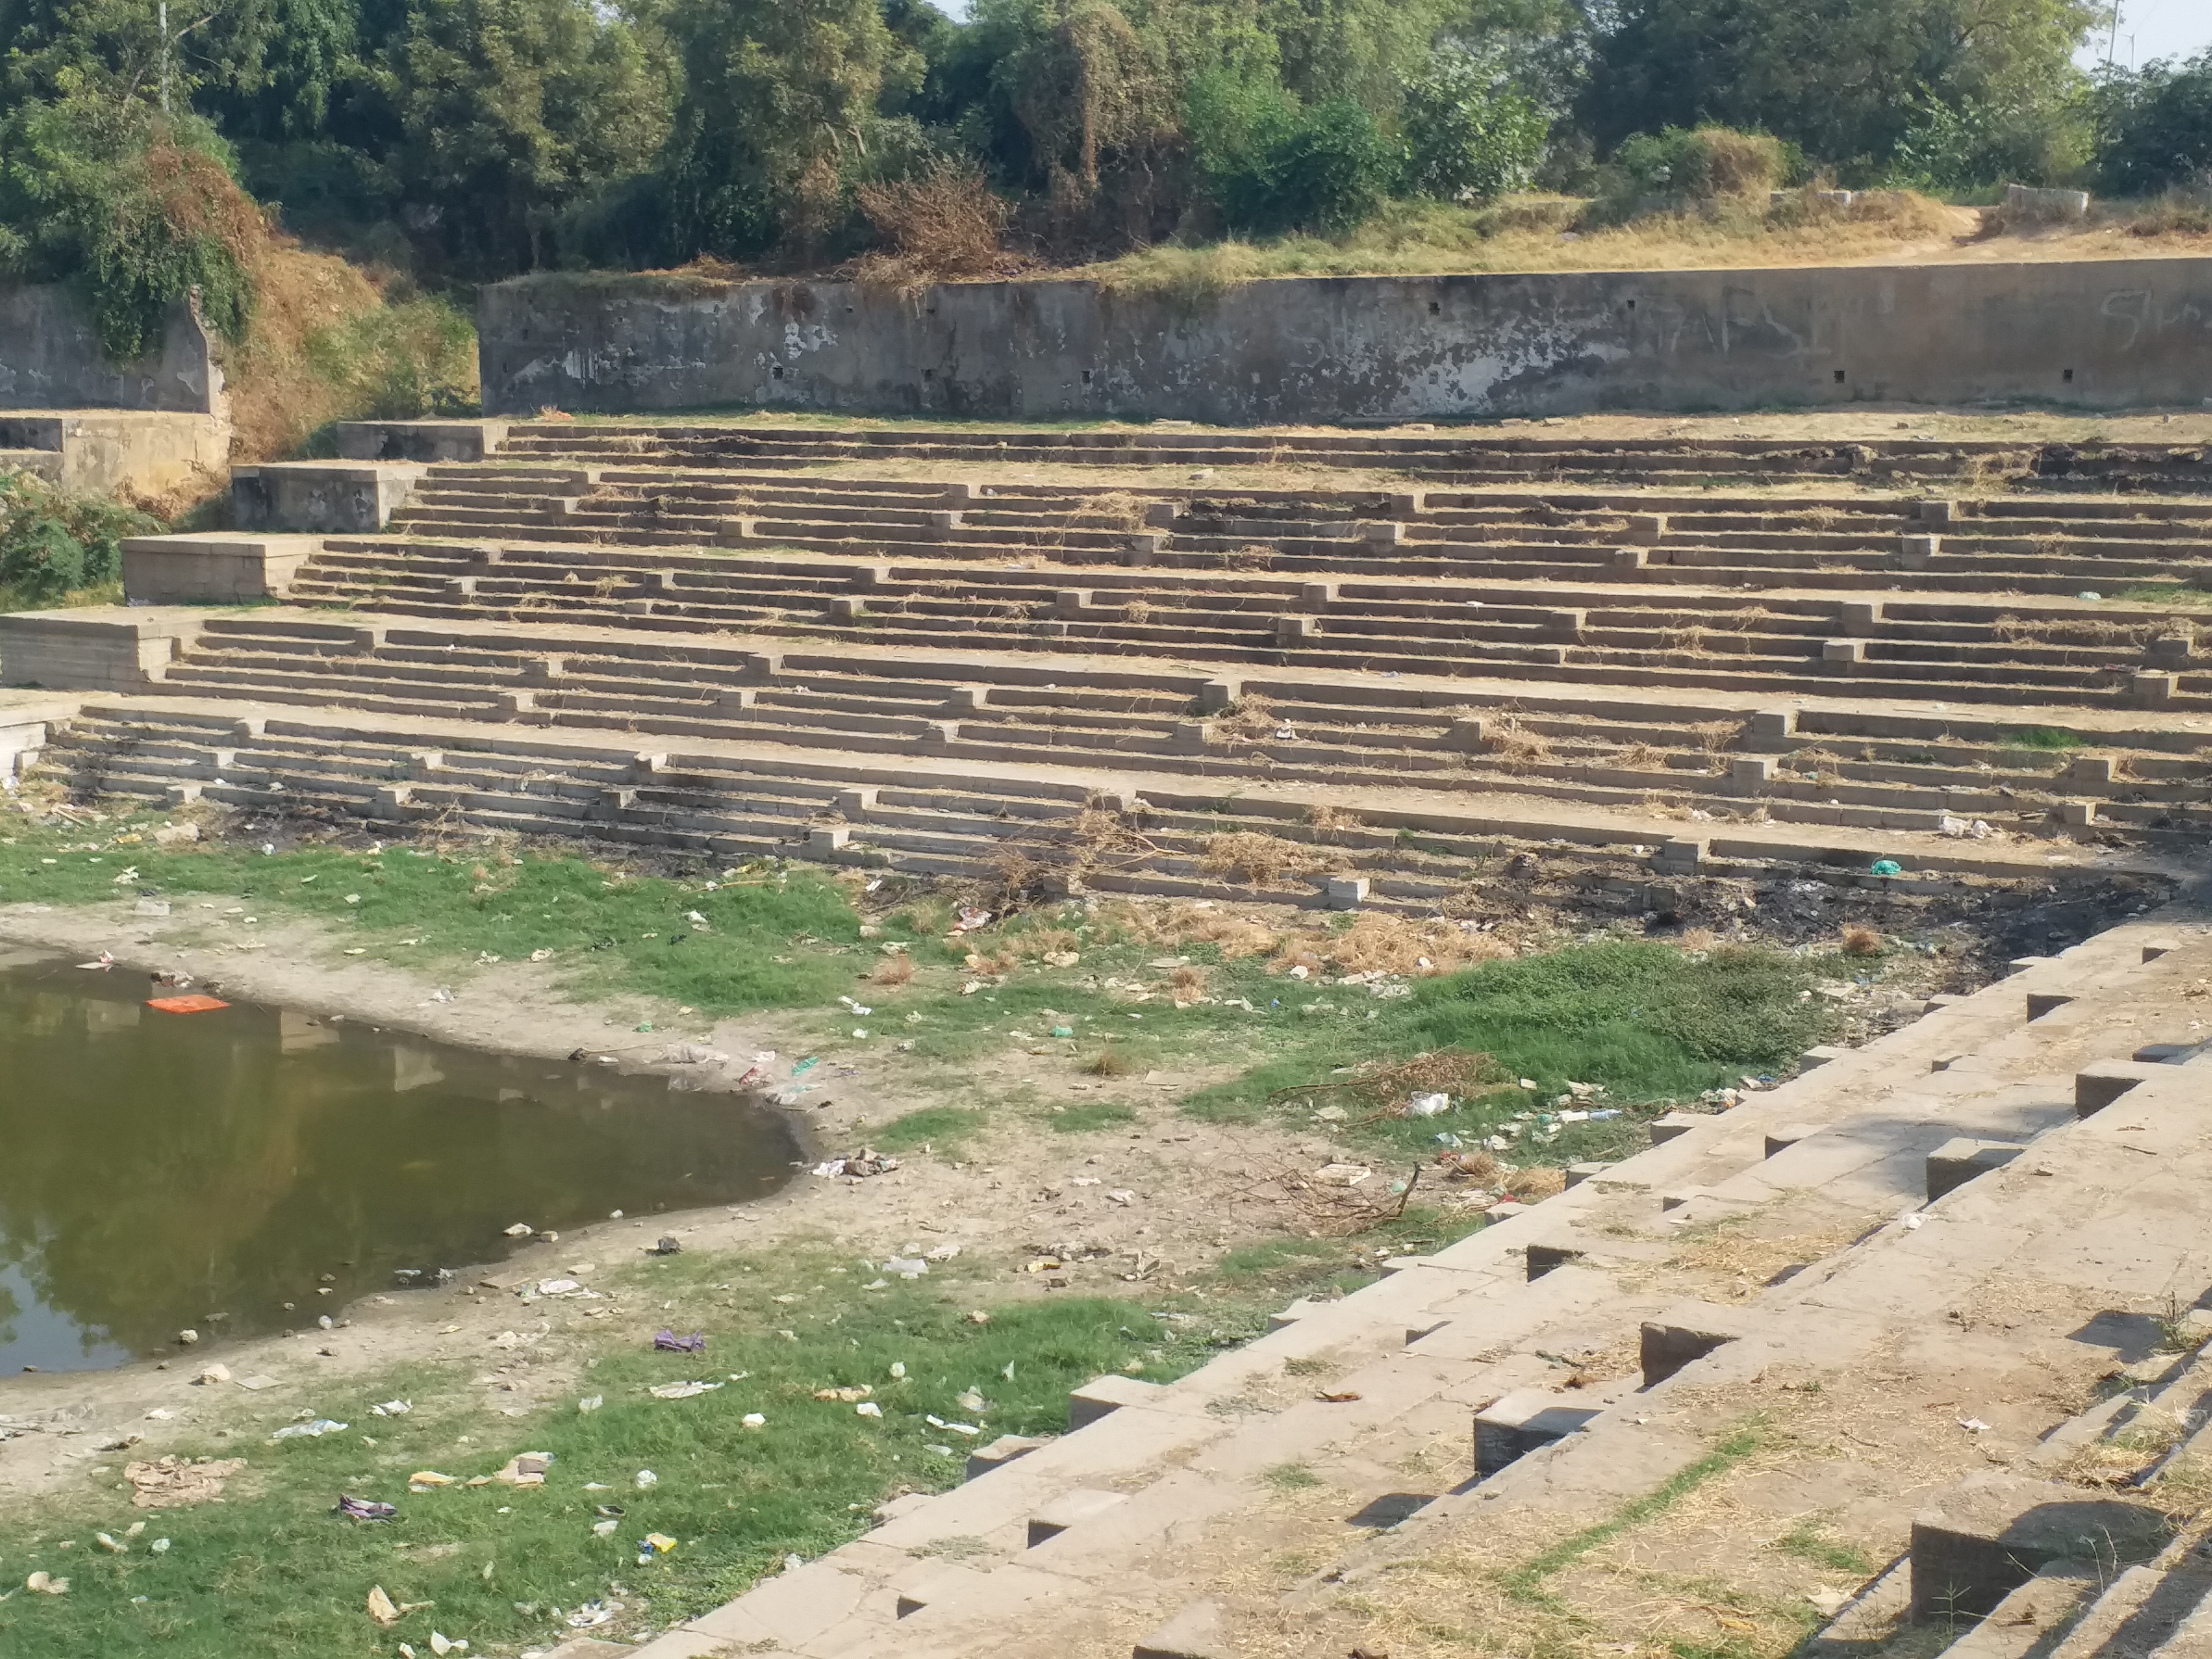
(2153, 28)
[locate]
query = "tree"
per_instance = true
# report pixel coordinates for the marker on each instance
(2154, 127)
(1841, 78)
(779, 97)
(511, 111)
(1469, 132)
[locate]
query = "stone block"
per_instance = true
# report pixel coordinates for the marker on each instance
(1680, 857)
(826, 840)
(845, 607)
(1070, 601)
(1940, 1001)
(1003, 1450)
(320, 497)
(944, 520)
(1141, 548)
(2022, 964)
(1104, 1395)
(1842, 654)
(2153, 687)
(1647, 529)
(1215, 695)
(2040, 205)
(1958, 1160)
(218, 567)
(2077, 814)
(733, 532)
(1465, 735)
(1191, 737)
(1579, 1173)
(2040, 1003)
(1772, 726)
(1293, 631)
(420, 441)
(1409, 503)
(1564, 624)
(2100, 1083)
(1345, 892)
(1783, 1136)
(1918, 552)
(857, 804)
(1750, 773)
(2153, 949)
(1630, 558)
(1938, 512)
(1862, 618)
(1162, 515)
(1505, 1209)
(1383, 532)
(1672, 1127)
(1316, 596)
(961, 492)
(1525, 1420)
(95, 648)
(1821, 1056)
(2169, 649)
(1993, 1532)
(936, 736)
(763, 664)
(1686, 1333)
(736, 699)
(1195, 1633)
(1544, 1258)
(1071, 1508)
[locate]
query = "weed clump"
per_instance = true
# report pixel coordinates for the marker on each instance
(945, 223)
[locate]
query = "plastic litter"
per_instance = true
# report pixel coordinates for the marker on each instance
(364, 1508)
(869, 1408)
(392, 1408)
(381, 1607)
(971, 918)
(194, 1004)
(693, 1054)
(866, 1162)
(593, 1614)
(44, 1584)
(1429, 1105)
(1887, 867)
(669, 1342)
(646, 1478)
(908, 1267)
(428, 1480)
(591, 1403)
(683, 1390)
(441, 1645)
(604, 1528)
(754, 1420)
(311, 1431)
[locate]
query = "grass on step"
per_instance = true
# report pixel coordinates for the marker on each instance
(2041, 737)
(273, 1571)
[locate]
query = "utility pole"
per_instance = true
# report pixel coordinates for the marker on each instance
(2111, 42)
(164, 10)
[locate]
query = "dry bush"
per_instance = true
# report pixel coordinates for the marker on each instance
(1137, 611)
(1250, 857)
(1643, 757)
(1323, 817)
(1107, 1063)
(893, 971)
(1188, 983)
(944, 224)
(1697, 939)
(1535, 1184)
(1517, 745)
(1185, 921)
(1061, 850)
(1860, 940)
(1251, 716)
(1121, 510)
(1713, 736)
(1040, 942)
(1252, 556)
(1380, 1089)
(1378, 941)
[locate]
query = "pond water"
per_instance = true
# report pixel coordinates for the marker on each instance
(163, 1171)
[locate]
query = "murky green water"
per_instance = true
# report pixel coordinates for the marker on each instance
(165, 1171)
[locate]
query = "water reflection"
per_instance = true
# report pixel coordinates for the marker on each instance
(158, 1171)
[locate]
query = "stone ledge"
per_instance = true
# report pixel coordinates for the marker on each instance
(224, 568)
(328, 497)
(105, 648)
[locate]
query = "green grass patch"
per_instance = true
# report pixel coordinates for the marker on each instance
(272, 1570)
(1085, 1117)
(1811, 1543)
(945, 1129)
(2042, 737)
(2181, 595)
(1526, 1581)
(1291, 1477)
(1649, 1024)
(770, 937)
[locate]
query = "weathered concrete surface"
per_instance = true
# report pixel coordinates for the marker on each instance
(2094, 334)
(51, 358)
(100, 648)
(105, 449)
(355, 497)
(419, 440)
(216, 569)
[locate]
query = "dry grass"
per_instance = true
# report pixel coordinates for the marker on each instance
(1185, 921)
(1247, 856)
(2085, 631)
(1537, 1182)
(1252, 556)
(1249, 718)
(1137, 611)
(1324, 817)
(1379, 941)
(1516, 744)
(940, 227)
(1697, 939)
(1714, 736)
(1860, 940)
(1381, 1089)
(1107, 1062)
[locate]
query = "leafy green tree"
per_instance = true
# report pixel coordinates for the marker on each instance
(138, 207)
(510, 111)
(2154, 127)
(1469, 133)
(780, 98)
(1842, 78)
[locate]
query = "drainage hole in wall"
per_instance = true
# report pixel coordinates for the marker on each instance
(2070, 376)
(1840, 377)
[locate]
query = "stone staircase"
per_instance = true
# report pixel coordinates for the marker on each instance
(1879, 1292)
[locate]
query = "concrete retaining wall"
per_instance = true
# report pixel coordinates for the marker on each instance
(218, 567)
(2104, 334)
(102, 648)
(51, 358)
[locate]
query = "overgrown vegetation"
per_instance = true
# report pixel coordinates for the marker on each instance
(455, 141)
(55, 546)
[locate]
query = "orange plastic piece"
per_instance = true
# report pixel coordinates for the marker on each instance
(195, 1004)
